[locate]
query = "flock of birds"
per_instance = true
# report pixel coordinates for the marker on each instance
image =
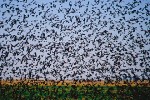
(75, 39)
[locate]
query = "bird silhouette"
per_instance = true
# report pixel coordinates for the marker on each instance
(77, 40)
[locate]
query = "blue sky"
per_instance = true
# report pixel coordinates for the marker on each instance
(121, 18)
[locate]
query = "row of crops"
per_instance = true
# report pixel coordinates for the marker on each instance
(36, 92)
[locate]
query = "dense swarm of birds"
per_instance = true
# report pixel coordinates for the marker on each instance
(75, 39)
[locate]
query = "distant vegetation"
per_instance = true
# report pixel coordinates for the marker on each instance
(22, 91)
(25, 92)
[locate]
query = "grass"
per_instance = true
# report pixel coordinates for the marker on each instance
(22, 91)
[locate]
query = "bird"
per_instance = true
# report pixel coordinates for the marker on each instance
(46, 33)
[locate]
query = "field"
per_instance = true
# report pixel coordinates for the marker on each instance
(69, 90)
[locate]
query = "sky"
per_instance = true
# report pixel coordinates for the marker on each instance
(75, 39)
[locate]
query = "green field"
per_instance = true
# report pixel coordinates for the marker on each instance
(35, 92)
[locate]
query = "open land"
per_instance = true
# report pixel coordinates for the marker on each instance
(76, 83)
(73, 90)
